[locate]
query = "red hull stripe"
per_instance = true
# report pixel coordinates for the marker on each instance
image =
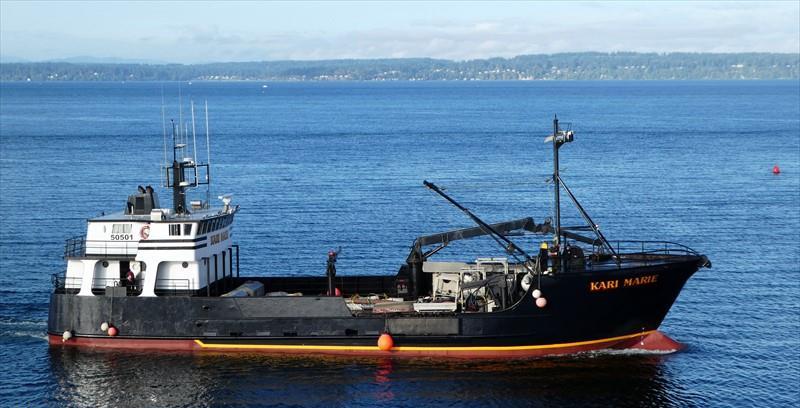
(649, 340)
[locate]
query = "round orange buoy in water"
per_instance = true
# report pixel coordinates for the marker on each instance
(385, 342)
(541, 302)
(776, 169)
(112, 331)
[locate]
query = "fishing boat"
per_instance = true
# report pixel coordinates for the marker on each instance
(155, 277)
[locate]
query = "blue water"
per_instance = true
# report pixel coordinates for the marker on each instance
(315, 166)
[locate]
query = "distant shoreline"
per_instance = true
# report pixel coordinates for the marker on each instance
(568, 66)
(430, 81)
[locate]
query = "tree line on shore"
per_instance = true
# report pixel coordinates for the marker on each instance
(565, 66)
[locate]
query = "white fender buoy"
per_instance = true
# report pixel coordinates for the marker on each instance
(104, 326)
(66, 336)
(537, 293)
(541, 302)
(527, 281)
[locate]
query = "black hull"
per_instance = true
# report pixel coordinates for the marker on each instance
(581, 314)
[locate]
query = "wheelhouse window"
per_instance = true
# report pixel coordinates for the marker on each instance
(187, 229)
(121, 228)
(174, 229)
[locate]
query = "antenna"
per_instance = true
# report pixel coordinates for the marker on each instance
(208, 158)
(180, 109)
(164, 128)
(194, 147)
(194, 135)
(174, 141)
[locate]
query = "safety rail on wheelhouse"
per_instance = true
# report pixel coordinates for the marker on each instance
(80, 247)
(75, 247)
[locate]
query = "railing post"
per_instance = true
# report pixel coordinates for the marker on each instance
(237, 260)
(216, 277)
(230, 260)
(224, 271)
(208, 276)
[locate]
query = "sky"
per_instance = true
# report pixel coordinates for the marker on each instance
(217, 31)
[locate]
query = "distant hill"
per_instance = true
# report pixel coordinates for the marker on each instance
(581, 66)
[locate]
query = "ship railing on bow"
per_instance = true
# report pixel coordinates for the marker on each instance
(654, 248)
(639, 253)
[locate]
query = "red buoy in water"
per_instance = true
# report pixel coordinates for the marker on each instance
(385, 342)
(112, 331)
(776, 169)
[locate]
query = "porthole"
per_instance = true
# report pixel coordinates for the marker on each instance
(185, 264)
(105, 264)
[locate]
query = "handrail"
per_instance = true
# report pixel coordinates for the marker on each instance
(651, 247)
(79, 246)
(640, 252)
(173, 287)
(63, 284)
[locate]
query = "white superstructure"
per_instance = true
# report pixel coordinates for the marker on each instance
(153, 253)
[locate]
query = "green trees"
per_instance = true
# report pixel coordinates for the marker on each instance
(586, 66)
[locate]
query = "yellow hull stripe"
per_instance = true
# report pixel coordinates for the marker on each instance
(417, 348)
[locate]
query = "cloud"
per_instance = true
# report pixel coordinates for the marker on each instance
(522, 29)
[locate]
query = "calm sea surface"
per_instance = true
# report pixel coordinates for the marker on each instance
(315, 166)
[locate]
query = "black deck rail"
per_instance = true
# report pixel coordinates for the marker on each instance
(633, 253)
(651, 248)
(80, 247)
(132, 289)
(63, 284)
(173, 287)
(75, 247)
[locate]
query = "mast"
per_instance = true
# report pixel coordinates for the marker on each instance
(556, 184)
(559, 137)
(184, 174)
(178, 176)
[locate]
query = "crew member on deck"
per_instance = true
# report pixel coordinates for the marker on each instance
(543, 257)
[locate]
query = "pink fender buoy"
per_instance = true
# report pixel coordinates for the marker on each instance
(385, 342)
(776, 169)
(112, 331)
(541, 302)
(337, 292)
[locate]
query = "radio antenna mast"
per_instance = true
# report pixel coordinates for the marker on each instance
(208, 158)
(194, 135)
(180, 111)
(164, 128)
